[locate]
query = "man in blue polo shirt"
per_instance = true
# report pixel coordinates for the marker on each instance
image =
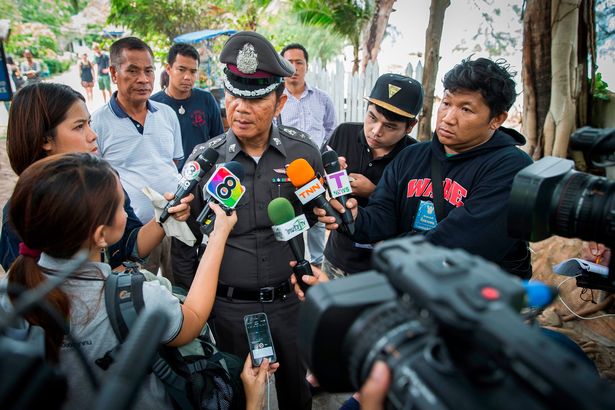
(140, 138)
(197, 110)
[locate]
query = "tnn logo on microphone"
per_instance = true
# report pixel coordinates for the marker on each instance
(310, 191)
(225, 187)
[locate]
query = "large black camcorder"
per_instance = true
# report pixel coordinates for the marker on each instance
(550, 198)
(448, 326)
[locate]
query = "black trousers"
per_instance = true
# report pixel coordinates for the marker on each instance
(227, 320)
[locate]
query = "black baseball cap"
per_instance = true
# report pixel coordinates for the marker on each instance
(397, 93)
(253, 67)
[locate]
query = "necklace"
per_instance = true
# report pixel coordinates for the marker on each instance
(181, 109)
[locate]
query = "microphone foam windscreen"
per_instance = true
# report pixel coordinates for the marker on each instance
(236, 168)
(300, 172)
(210, 155)
(331, 161)
(280, 210)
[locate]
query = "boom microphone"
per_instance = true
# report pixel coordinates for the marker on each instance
(339, 186)
(225, 189)
(288, 228)
(309, 188)
(192, 173)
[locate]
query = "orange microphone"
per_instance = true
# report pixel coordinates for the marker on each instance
(309, 187)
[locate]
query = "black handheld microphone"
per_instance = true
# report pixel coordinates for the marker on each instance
(338, 182)
(222, 190)
(192, 173)
(289, 229)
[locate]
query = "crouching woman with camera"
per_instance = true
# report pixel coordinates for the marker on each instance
(53, 229)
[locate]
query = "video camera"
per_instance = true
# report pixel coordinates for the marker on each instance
(447, 325)
(550, 198)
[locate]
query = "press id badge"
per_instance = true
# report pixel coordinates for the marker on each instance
(425, 218)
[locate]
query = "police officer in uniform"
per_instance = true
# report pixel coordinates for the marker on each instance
(255, 271)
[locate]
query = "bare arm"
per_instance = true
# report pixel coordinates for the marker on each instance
(151, 234)
(200, 299)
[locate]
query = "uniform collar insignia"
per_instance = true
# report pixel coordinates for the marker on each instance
(393, 89)
(231, 148)
(247, 59)
(277, 141)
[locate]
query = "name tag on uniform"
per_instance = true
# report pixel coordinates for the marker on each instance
(425, 218)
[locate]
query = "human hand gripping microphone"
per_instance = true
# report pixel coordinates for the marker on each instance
(224, 188)
(309, 188)
(288, 228)
(192, 173)
(339, 185)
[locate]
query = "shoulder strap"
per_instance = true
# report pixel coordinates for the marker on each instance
(436, 187)
(124, 301)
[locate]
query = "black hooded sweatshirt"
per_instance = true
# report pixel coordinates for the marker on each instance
(477, 185)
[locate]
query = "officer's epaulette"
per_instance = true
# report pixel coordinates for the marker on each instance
(296, 135)
(216, 141)
(212, 143)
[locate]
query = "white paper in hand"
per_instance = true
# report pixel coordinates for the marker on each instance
(171, 226)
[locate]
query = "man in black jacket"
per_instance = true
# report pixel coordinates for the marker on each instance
(368, 147)
(476, 159)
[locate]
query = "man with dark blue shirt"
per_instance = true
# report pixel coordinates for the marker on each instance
(197, 110)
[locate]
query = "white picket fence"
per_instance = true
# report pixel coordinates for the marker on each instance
(347, 90)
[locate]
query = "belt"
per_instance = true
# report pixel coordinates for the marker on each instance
(265, 294)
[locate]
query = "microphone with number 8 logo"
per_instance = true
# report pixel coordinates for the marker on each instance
(192, 173)
(224, 188)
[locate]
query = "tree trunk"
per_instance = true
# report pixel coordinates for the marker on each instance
(375, 31)
(355, 57)
(560, 120)
(536, 73)
(432, 59)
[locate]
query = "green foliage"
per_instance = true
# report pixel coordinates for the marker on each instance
(55, 66)
(248, 12)
(320, 42)
(600, 90)
(166, 17)
(347, 18)
(40, 46)
(53, 13)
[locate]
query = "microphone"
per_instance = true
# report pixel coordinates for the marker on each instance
(192, 173)
(339, 185)
(309, 188)
(225, 189)
(288, 228)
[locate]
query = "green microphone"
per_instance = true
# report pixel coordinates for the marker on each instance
(289, 228)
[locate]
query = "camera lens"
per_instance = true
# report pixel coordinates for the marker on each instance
(378, 333)
(584, 207)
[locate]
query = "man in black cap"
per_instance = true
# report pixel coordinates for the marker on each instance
(368, 148)
(255, 271)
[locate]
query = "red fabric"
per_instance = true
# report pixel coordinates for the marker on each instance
(257, 74)
(26, 251)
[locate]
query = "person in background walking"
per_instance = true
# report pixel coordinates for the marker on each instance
(86, 71)
(101, 60)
